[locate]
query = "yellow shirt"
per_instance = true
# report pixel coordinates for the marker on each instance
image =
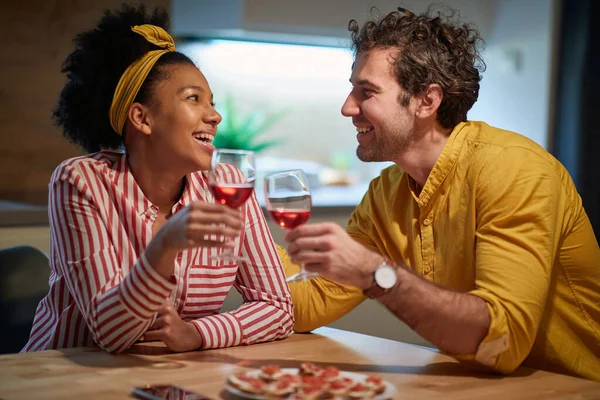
(499, 218)
(318, 302)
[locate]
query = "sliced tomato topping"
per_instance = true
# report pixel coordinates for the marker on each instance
(340, 384)
(257, 384)
(330, 373)
(244, 377)
(374, 380)
(312, 382)
(282, 385)
(359, 387)
(311, 390)
(271, 369)
(309, 368)
(289, 378)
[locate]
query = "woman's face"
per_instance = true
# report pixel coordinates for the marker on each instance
(184, 120)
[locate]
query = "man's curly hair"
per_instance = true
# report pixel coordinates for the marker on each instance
(94, 68)
(433, 48)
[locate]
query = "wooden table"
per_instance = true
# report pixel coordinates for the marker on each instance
(417, 372)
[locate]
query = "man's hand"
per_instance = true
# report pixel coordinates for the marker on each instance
(169, 328)
(326, 248)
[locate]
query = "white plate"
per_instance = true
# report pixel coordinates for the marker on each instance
(389, 392)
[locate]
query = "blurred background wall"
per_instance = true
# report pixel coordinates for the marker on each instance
(541, 81)
(37, 37)
(515, 91)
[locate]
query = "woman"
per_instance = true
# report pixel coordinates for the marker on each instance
(129, 231)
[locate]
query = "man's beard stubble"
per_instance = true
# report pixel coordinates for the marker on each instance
(381, 152)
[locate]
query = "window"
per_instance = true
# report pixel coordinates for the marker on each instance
(309, 85)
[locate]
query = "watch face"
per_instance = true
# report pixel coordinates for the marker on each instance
(385, 276)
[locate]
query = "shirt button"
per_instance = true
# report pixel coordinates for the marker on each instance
(427, 269)
(427, 222)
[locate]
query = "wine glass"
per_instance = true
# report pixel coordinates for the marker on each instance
(231, 181)
(289, 204)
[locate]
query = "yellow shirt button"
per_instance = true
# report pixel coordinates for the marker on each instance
(427, 222)
(427, 269)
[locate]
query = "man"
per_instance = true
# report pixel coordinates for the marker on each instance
(476, 237)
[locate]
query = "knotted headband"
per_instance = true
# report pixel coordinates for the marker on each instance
(134, 76)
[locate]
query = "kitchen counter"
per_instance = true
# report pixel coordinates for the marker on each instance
(325, 199)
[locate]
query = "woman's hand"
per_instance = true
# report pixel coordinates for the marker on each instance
(201, 224)
(170, 329)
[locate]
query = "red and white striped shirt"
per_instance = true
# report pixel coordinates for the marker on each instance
(102, 289)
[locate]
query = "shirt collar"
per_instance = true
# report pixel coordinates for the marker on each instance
(188, 195)
(195, 188)
(123, 180)
(442, 166)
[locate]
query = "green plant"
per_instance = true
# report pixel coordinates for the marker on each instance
(242, 131)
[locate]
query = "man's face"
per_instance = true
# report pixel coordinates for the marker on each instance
(384, 127)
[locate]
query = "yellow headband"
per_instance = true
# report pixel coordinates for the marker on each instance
(134, 76)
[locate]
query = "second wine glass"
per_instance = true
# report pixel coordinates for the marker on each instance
(289, 203)
(231, 181)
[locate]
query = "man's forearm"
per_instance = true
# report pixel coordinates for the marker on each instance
(454, 322)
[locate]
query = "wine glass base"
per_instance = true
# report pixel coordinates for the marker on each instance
(301, 276)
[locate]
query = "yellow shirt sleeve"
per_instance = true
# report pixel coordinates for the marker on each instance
(520, 203)
(361, 220)
(319, 301)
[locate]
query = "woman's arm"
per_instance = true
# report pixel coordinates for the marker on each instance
(118, 306)
(267, 313)
(319, 301)
(117, 309)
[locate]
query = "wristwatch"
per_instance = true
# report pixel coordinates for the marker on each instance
(384, 279)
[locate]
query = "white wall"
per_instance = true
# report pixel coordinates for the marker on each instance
(307, 17)
(515, 91)
(308, 82)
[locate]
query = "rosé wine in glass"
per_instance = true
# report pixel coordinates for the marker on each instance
(231, 181)
(289, 203)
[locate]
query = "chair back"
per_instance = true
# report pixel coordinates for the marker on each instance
(24, 274)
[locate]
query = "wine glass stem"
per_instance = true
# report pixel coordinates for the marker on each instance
(302, 275)
(302, 269)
